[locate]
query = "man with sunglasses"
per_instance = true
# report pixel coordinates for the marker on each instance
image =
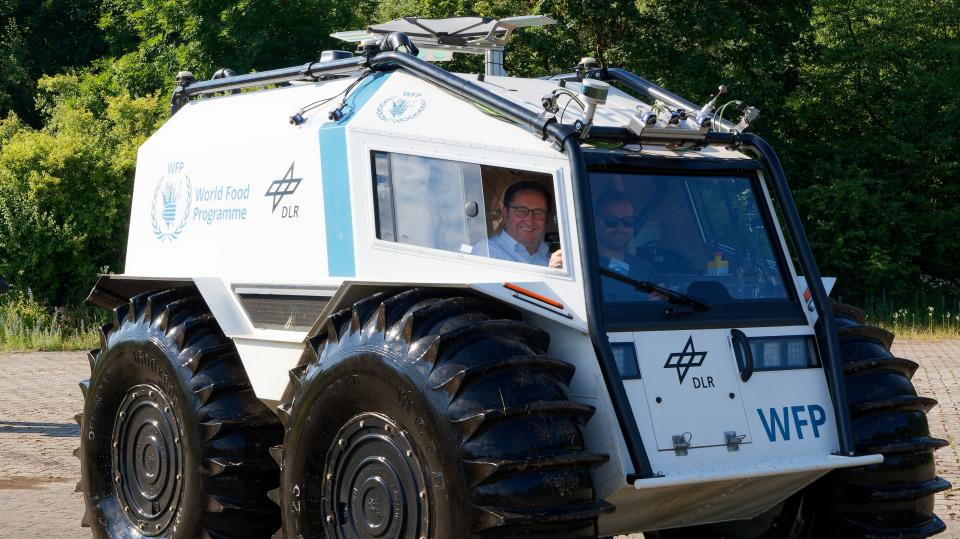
(526, 207)
(615, 232)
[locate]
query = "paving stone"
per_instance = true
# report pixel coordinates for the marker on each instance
(39, 396)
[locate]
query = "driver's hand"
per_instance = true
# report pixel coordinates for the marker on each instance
(556, 259)
(657, 296)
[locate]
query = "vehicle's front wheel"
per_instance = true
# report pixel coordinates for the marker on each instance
(173, 441)
(893, 498)
(422, 414)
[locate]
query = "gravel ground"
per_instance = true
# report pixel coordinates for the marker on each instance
(39, 397)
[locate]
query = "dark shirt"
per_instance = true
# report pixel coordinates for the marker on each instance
(635, 267)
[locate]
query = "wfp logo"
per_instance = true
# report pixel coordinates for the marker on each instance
(400, 108)
(170, 208)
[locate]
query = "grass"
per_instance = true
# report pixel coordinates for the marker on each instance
(26, 325)
(921, 319)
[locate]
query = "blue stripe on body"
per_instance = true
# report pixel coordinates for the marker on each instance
(338, 216)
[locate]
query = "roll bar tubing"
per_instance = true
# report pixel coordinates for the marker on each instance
(649, 90)
(566, 139)
(185, 90)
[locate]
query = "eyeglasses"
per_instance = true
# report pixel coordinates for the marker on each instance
(611, 221)
(522, 212)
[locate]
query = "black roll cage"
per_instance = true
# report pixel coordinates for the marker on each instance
(567, 140)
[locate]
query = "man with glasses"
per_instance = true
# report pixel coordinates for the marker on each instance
(615, 233)
(526, 207)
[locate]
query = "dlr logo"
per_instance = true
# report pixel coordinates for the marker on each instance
(778, 421)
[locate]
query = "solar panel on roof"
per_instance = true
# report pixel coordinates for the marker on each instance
(460, 26)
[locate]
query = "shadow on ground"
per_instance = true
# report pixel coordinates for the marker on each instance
(56, 430)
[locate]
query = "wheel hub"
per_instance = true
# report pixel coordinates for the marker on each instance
(373, 485)
(147, 459)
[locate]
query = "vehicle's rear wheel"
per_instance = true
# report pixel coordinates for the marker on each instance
(173, 441)
(424, 414)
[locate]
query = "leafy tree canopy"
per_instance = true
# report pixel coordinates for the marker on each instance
(859, 98)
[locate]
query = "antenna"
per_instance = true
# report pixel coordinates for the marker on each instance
(705, 116)
(439, 39)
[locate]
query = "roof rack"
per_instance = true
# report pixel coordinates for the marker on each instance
(439, 39)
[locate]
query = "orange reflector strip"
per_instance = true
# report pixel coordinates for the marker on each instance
(534, 295)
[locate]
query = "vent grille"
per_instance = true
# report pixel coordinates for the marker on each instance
(283, 311)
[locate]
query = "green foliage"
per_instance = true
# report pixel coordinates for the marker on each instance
(872, 149)
(152, 40)
(858, 97)
(21, 308)
(40, 37)
(25, 324)
(65, 189)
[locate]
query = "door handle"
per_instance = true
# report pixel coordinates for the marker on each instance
(741, 347)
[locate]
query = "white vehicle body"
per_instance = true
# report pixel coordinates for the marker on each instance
(232, 197)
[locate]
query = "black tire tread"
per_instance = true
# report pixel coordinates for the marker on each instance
(844, 310)
(436, 331)
(904, 366)
(878, 493)
(928, 528)
(456, 376)
(224, 402)
(477, 422)
(867, 332)
(894, 498)
(913, 446)
(900, 402)
(482, 471)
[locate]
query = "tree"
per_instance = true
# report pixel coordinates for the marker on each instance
(65, 190)
(858, 97)
(42, 37)
(872, 148)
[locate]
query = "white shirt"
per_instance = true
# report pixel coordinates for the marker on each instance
(504, 247)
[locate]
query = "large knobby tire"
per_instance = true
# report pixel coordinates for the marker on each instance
(426, 414)
(174, 443)
(893, 499)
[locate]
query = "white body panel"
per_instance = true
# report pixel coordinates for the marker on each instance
(230, 194)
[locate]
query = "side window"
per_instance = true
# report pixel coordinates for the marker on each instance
(456, 206)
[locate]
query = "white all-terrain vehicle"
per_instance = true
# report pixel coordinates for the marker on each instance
(380, 299)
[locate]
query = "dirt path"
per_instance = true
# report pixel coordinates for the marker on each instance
(39, 396)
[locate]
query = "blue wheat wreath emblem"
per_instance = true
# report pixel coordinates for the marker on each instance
(170, 209)
(400, 108)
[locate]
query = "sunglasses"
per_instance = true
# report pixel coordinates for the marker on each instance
(611, 221)
(522, 212)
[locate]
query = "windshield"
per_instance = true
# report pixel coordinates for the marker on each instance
(702, 236)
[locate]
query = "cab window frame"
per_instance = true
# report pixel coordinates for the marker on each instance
(560, 211)
(646, 316)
